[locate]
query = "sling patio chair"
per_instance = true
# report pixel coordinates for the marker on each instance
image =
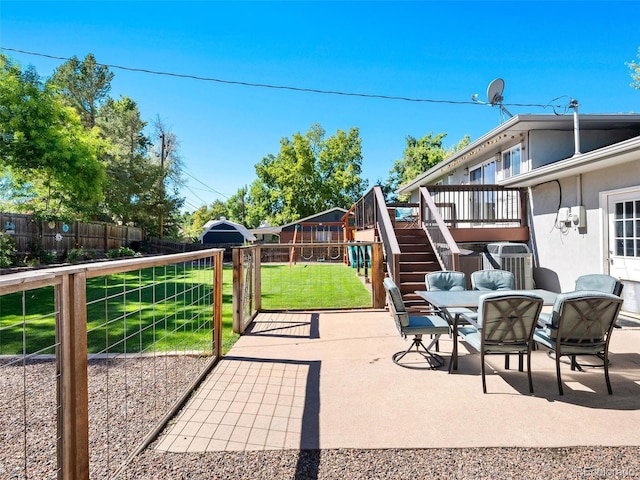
(416, 325)
(505, 325)
(581, 323)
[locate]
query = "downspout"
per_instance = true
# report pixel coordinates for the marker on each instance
(579, 189)
(576, 126)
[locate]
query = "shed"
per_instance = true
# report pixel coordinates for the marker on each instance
(225, 233)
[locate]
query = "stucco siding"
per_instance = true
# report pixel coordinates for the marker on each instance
(564, 255)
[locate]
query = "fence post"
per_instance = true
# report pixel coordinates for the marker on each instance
(257, 262)
(238, 289)
(217, 309)
(73, 395)
(377, 276)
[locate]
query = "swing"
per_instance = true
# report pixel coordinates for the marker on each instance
(302, 253)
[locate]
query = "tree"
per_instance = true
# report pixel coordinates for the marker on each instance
(193, 224)
(84, 85)
(165, 197)
(131, 175)
(237, 206)
(419, 156)
(310, 174)
(45, 152)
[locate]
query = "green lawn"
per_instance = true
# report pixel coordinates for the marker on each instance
(312, 286)
(166, 309)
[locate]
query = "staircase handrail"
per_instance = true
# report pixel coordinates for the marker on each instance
(371, 212)
(446, 249)
(387, 234)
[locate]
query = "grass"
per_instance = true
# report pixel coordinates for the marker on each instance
(168, 309)
(312, 286)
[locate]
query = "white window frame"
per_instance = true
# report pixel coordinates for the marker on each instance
(506, 157)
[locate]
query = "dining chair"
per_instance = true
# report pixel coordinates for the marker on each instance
(600, 282)
(448, 280)
(452, 281)
(581, 323)
(492, 280)
(416, 325)
(505, 325)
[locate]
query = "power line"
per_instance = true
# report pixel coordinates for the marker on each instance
(209, 188)
(278, 87)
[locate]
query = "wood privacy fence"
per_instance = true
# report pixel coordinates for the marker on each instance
(59, 236)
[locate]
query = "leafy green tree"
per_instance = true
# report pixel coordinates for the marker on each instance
(131, 174)
(420, 154)
(45, 152)
(237, 206)
(84, 85)
(310, 174)
(193, 224)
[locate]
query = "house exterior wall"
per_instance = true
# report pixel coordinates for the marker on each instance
(548, 146)
(563, 256)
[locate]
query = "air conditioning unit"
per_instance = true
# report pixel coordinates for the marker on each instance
(513, 257)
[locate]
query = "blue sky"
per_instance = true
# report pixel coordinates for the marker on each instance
(443, 51)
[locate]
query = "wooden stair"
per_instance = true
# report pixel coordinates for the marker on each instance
(416, 260)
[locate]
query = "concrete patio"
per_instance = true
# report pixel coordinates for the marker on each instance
(325, 380)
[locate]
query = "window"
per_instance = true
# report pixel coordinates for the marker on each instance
(513, 163)
(484, 174)
(627, 229)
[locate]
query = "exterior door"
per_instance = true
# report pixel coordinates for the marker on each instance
(624, 235)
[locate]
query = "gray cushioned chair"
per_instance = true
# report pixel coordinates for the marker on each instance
(580, 324)
(599, 282)
(506, 321)
(452, 281)
(417, 326)
(492, 280)
(446, 280)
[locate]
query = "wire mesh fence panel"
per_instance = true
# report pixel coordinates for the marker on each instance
(149, 336)
(122, 361)
(311, 284)
(28, 377)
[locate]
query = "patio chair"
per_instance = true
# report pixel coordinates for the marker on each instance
(417, 326)
(505, 325)
(492, 280)
(599, 282)
(446, 280)
(449, 280)
(581, 324)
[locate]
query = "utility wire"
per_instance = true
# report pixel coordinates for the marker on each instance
(208, 188)
(279, 87)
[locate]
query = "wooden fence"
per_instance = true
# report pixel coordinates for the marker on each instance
(58, 236)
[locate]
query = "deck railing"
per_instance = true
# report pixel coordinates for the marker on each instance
(441, 240)
(96, 358)
(480, 205)
(371, 213)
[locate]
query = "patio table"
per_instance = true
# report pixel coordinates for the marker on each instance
(445, 300)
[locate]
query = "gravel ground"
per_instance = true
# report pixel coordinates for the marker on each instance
(127, 398)
(446, 463)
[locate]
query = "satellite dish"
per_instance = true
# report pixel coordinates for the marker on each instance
(494, 92)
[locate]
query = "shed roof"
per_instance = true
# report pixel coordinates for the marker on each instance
(232, 227)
